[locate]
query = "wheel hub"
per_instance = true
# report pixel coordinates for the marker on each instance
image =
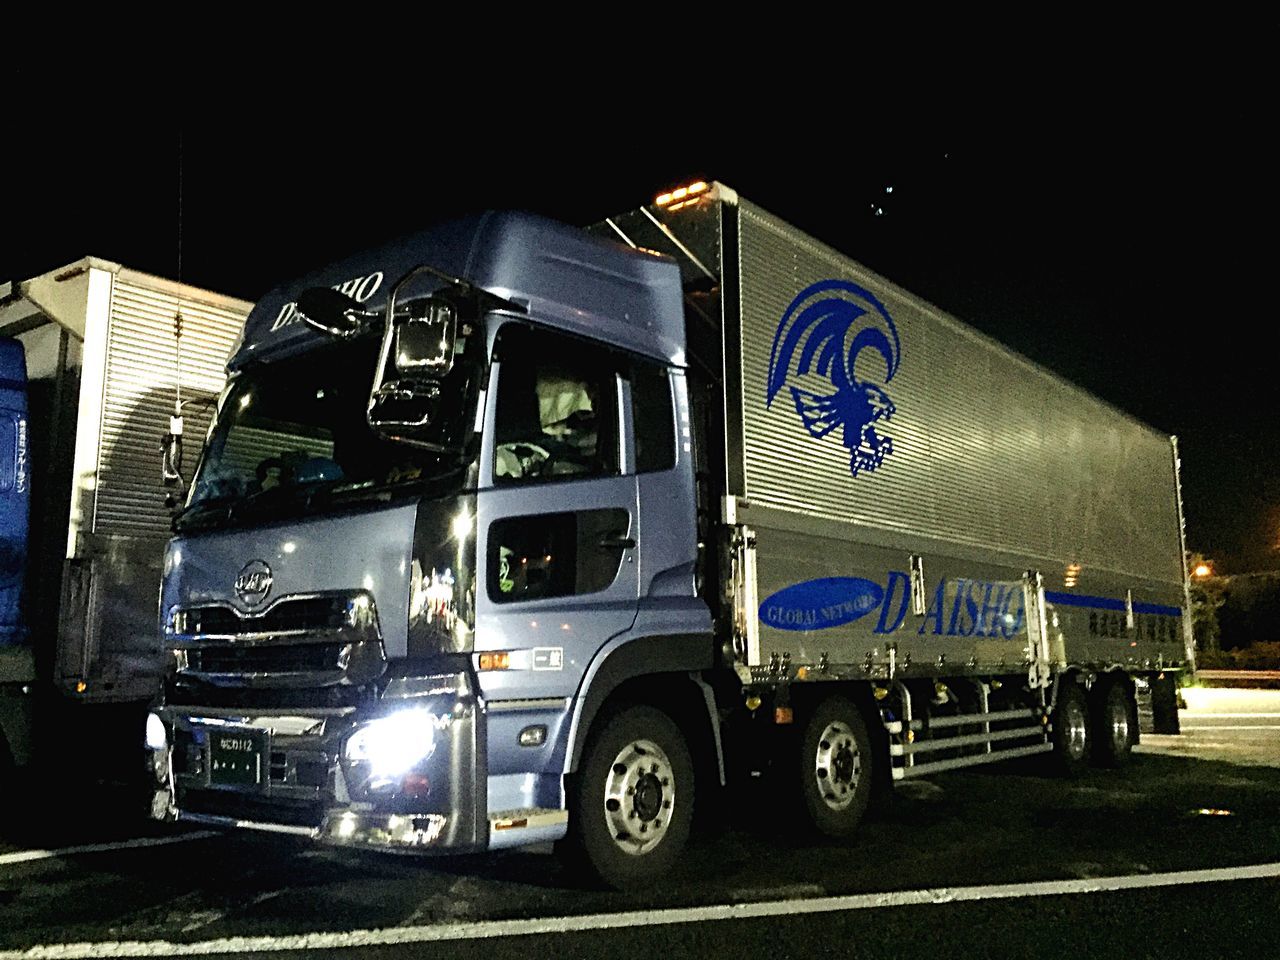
(837, 766)
(639, 795)
(648, 798)
(1120, 726)
(1077, 728)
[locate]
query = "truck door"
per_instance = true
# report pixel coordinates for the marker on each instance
(557, 518)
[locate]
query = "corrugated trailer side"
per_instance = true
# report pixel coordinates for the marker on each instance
(871, 442)
(105, 368)
(882, 441)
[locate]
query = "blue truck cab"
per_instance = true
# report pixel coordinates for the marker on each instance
(510, 532)
(396, 618)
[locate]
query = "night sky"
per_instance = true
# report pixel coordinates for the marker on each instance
(1129, 246)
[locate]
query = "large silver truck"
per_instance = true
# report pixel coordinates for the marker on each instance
(79, 656)
(507, 533)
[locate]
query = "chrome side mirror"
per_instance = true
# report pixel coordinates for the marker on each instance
(418, 352)
(426, 332)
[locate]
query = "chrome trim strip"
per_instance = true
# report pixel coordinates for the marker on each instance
(217, 821)
(527, 817)
(286, 598)
(535, 703)
(179, 641)
(244, 714)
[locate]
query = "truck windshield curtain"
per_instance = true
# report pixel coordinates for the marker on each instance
(294, 434)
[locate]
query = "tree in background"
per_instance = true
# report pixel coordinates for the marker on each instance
(1208, 593)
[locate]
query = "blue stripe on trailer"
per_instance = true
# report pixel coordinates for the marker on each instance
(1108, 603)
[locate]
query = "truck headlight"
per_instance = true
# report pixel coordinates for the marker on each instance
(394, 744)
(157, 736)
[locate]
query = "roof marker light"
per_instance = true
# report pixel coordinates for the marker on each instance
(681, 193)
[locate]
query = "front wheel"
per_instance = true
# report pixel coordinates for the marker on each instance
(835, 768)
(632, 804)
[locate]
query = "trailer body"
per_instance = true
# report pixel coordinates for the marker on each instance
(964, 466)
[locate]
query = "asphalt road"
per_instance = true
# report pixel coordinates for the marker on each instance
(956, 867)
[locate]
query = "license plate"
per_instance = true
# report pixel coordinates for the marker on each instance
(235, 758)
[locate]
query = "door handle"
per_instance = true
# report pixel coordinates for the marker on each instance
(616, 541)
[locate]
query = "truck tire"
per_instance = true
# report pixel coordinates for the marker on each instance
(632, 803)
(1164, 704)
(1112, 721)
(836, 768)
(1071, 733)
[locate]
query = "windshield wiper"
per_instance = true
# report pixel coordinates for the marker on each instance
(229, 505)
(225, 500)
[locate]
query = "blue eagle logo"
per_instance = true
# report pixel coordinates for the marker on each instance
(823, 332)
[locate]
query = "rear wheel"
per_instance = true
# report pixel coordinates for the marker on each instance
(835, 768)
(632, 804)
(1113, 724)
(1071, 735)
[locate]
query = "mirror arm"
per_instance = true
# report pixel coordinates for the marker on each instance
(365, 319)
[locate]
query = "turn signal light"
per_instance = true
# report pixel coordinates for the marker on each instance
(783, 715)
(415, 785)
(495, 661)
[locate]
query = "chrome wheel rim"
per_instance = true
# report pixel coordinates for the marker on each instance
(1119, 726)
(639, 797)
(1075, 725)
(837, 765)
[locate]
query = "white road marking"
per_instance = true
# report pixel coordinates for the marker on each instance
(24, 856)
(1207, 714)
(639, 918)
(1235, 726)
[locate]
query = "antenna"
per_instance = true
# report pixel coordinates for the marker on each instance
(179, 205)
(177, 317)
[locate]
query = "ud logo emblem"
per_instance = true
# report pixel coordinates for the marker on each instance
(820, 337)
(253, 583)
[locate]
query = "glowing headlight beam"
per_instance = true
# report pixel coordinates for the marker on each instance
(394, 744)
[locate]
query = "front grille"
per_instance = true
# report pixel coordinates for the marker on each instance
(306, 613)
(182, 690)
(269, 658)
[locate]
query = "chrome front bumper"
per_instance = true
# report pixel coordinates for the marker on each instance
(304, 785)
(342, 827)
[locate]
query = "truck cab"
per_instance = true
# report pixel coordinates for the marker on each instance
(445, 513)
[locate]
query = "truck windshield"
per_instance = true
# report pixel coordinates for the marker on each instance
(292, 436)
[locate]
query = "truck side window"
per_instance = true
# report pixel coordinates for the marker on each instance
(557, 416)
(553, 554)
(653, 414)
